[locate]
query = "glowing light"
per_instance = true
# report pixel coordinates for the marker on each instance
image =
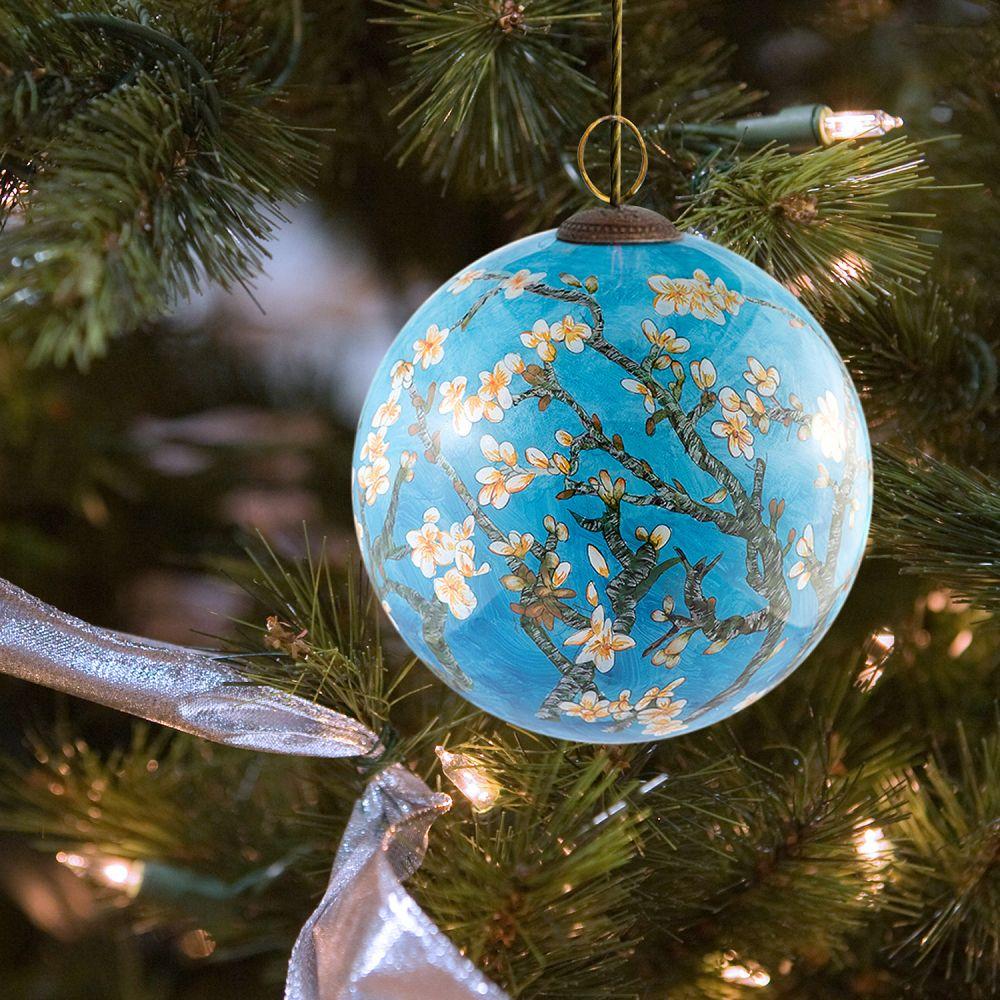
(12, 193)
(196, 944)
(875, 849)
(960, 643)
(850, 268)
(839, 126)
(873, 845)
(878, 649)
(829, 431)
(109, 872)
(116, 873)
(468, 776)
(938, 600)
(744, 973)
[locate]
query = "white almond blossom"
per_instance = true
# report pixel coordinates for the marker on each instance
(764, 380)
(540, 338)
(463, 281)
(374, 480)
(734, 429)
(697, 296)
(401, 374)
(599, 642)
(590, 708)
(388, 412)
(573, 333)
(703, 373)
(805, 547)
(430, 547)
(827, 427)
(666, 340)
(640, 389)
(375, 446)
(464, 412)
(429, 349)
(515, 544)
(514, 286)
(451, 589)
(669, 656)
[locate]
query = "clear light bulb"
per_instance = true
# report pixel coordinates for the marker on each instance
(873, 845)
(878, 649)
(12, 192)
(107, 871)
(839, 126)
(470, 779)
(744, 973)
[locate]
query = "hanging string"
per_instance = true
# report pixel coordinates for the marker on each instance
(616, 102)
(617, 197)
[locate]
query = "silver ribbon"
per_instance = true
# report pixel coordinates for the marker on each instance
(367, 939)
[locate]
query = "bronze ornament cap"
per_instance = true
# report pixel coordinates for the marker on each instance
(626, 224)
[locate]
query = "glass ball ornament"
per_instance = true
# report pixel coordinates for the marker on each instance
(612, 492)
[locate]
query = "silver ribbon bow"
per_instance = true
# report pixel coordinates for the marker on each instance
(367, 939)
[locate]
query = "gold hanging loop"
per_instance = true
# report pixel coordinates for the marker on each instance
(581, 160)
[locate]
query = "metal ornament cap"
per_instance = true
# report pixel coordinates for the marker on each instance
(608, 225)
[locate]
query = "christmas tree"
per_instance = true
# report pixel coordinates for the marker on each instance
(214, 217)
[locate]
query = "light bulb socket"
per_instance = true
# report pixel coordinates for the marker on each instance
(800, 125)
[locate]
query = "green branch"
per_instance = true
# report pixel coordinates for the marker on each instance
(140, 183)
(940, 521)
(821, 222)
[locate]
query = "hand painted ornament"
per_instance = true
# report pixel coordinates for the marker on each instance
(612, 491)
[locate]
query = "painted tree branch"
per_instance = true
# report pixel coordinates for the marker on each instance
(735, 509)
(433, 614)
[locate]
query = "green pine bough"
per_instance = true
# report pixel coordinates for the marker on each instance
(940, 521)
(129, 143)
(488, 84)
(822, 221)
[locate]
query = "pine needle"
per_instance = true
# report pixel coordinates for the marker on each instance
(821, 222)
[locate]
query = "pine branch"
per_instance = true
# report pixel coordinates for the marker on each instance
(542, 904)
(132, 141)
(489, 85)
(323, 638)
(940, 521)
(948, 890)
(914, 354)
(821, 222)
(763, 859)
(218, 832)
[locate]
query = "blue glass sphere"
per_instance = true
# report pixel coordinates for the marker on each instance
(612, 493)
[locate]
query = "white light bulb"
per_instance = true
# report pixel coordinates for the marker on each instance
(747, 973)
(839, 126)
(110, 872)
(470, 779)
(873, 845)
(878, 649)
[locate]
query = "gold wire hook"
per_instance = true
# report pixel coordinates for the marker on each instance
(581, 161)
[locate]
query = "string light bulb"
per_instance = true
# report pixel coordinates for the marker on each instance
(12, 193)
(873, 846)
(744, 973)
(122, 874)
(470, 778)
(878, 649)
(800, 126)
(875, 850)
(842, 126)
